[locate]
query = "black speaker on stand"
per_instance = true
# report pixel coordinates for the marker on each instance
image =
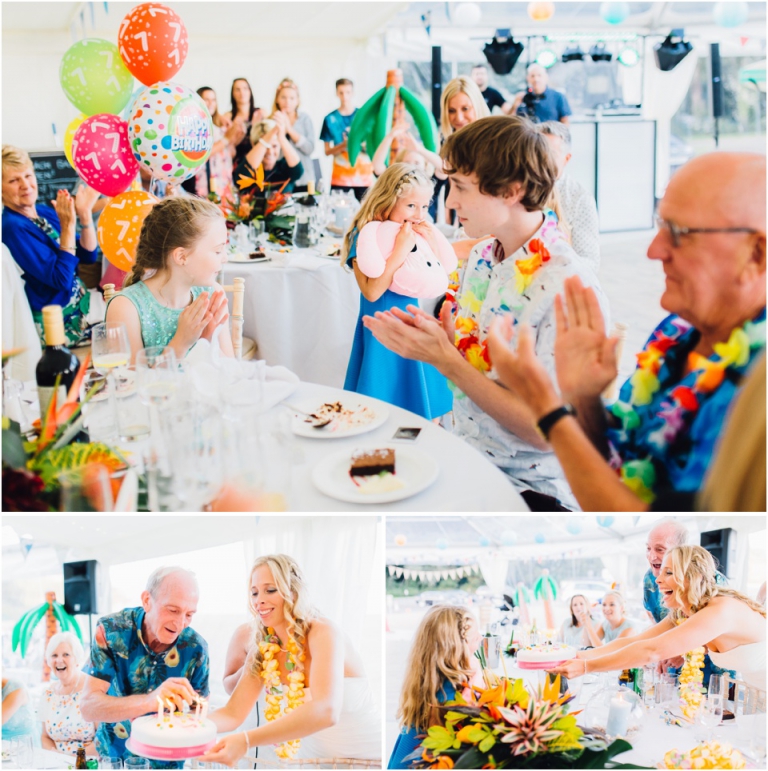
(721, 544)
(717, 89)
(81, 590)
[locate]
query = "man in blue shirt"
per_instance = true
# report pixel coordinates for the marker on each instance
(140, 655)
(665, 536)
(541, 103)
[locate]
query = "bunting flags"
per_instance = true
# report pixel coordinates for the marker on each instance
(432, 576)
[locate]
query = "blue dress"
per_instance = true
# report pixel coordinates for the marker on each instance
(408, 740)
(374, 370)
(22, 722)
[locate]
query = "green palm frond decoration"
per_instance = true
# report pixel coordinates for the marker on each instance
(26, 625)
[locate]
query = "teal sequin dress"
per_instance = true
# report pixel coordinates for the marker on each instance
(158, 323)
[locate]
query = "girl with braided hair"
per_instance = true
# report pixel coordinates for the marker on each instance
(398, 257)
(441, 661)
(318, 700)
(170, 297)
(702, 613)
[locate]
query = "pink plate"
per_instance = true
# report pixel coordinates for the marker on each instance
(540, 664)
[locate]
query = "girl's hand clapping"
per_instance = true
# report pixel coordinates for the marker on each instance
(219, 312)
(192, 322)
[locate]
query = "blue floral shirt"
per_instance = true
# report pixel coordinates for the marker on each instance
(120, 657)
(670, 421)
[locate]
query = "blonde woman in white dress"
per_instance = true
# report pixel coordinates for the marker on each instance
(338, 717)
(731, 625)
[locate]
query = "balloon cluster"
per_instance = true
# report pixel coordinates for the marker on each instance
(162, 126)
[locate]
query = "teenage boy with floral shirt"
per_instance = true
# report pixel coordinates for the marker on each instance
(502, 174)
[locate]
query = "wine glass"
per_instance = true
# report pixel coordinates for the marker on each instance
(110, 349)
(649, 675)
(156, 375)
(709, 716)
(716, 687)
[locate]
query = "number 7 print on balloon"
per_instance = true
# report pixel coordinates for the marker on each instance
(143, 37)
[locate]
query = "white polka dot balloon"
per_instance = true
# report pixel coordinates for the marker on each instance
(171, 131)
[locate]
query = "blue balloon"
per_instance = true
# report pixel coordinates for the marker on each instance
(539, 538)
(485, 541)
(442, 543)
(573, 526)
(509, 538)
(730, 14)
(605, 521)
(614, 13)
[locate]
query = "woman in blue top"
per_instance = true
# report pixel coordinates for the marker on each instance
(43, 242)
(18, 719)
(170, 297)
(440, 661)
(401, 194)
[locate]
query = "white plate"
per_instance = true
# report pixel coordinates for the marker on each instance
(245, 258)
(300, 428)
(413, 467)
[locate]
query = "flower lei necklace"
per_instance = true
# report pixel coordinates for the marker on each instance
(692, 681)
(270, 674)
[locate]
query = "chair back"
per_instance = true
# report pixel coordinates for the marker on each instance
(238, 293)
(746, 699)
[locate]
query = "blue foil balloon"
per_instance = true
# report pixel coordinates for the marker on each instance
(539, 538)
(573, 526)
(509, 538)
(442, 543)
(605, 521)
(614, 13)
(485, 541)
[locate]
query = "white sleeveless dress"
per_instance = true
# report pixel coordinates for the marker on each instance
(356, 735)
(746, 660)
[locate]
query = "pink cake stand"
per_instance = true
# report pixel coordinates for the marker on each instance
(540, 664)
(167, 753)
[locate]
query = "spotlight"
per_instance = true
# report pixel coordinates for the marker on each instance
(503, 52)
(672, 51)
(599, 54)
(572, 54)
(629, 57)
(546, 58)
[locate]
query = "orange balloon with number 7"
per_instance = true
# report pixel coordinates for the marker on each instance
(120, 225)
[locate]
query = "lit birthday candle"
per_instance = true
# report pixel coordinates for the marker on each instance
(171, 708)
(160, 710)
(204, 713)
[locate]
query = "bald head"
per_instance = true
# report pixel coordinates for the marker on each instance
(537, 78)
(174, 580)
(663, 537)
(728, 189)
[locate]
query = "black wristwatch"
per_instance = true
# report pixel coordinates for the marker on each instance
(548, 421)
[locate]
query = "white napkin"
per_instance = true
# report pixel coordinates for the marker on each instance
(236, 383)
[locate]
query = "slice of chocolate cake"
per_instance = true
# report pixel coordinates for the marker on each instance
(371, 462)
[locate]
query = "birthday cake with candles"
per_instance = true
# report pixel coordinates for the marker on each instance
(545, 655)
(172, 735)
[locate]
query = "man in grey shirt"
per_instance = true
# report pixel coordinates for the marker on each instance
(579, 207)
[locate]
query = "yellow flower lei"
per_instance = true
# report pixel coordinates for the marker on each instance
(270, 674)
(692, 682)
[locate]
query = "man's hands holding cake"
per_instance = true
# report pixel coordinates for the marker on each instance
(176, 690)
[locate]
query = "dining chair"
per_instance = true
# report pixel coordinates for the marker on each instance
(751, 698)
(244, 347)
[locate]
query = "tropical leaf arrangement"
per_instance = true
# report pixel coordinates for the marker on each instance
(31, 469)
(375, 118)
(25, 626)
(506, 725)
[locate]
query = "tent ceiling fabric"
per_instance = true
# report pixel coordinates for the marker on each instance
(251, 20)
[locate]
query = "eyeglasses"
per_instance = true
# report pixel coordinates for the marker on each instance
(676, 231)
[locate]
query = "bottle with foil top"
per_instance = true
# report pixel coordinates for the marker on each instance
(57, 360)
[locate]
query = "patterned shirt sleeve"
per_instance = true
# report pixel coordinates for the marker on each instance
(101, 664)
(199, 671)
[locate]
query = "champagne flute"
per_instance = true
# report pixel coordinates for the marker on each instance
(111, 349)
(156, 375)
(716, 686)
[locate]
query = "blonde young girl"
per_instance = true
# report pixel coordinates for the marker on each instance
(401, 195)
(170, 297)
(336, 714)
(440, 662)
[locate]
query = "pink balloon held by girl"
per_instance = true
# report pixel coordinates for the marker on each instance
(170, 297)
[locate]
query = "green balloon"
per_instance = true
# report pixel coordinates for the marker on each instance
(94, 77)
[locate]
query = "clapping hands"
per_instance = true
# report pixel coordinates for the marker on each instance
(218, 310)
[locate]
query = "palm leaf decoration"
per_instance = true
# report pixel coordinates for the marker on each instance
(26, 625)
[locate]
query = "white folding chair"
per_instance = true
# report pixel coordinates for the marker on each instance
(747, 699)
(244, 347)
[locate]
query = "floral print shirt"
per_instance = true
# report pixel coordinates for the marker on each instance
(120, 657)
(524, 284)
(670, 413)
(63, 721)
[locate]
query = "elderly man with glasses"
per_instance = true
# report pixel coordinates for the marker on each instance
(654, 445)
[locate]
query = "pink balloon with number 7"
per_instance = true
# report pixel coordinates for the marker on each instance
(102, 154)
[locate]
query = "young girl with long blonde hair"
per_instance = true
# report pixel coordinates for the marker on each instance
(318, 700)
(441, 661)
(417, 265)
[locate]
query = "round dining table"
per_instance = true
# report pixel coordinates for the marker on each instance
(301, 308)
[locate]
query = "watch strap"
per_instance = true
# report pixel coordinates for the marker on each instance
(548, 421)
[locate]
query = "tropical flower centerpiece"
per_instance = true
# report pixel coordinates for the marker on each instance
(506, 725)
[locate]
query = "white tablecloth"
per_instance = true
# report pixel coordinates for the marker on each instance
(301, 309)
(467, 481)
(44, 759)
